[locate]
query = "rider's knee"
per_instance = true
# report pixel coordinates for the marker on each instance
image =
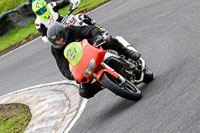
(83, 92)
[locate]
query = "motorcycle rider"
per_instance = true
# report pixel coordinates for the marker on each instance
(48, 13)
(60, 36)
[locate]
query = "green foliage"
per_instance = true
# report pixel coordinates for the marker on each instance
(6, 5)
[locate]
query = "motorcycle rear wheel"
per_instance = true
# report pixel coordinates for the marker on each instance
(148, 75)
(126, 90)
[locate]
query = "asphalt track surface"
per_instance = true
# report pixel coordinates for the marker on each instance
(167, 33)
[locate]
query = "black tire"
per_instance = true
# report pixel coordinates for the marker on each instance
(127, 90)
(148, 75)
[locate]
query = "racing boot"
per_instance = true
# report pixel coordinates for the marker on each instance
(126, 48)
(132, 54)
(89, 90)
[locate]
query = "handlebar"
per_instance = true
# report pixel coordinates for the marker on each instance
(96, 46)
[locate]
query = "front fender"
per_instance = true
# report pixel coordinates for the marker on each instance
(111, 72)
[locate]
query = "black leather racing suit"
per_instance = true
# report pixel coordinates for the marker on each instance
(77, 33)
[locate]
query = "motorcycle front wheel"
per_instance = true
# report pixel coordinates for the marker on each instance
(126, 90)
(148, 75)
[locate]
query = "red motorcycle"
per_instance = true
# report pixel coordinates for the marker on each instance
(109, 69)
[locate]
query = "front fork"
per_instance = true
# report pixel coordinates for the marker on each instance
(109, 70)
(142, 73)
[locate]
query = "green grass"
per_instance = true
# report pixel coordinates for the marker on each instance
(19, 34)
(14, 118)
(6, 5)
(85, 5)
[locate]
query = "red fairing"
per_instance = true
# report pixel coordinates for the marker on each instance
(108, 71)
(89, 52)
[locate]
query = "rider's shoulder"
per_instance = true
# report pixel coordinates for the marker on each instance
(38, 20)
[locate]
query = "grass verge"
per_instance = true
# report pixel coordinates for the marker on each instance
(14, 118)
(5, 5)
(19, 34)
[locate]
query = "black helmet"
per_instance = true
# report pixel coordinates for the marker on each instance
(55, 32)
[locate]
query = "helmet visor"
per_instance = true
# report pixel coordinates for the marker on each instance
(59, 41)
(41, 11)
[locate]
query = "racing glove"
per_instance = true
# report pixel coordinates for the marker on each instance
(75, 3)
(99, 39)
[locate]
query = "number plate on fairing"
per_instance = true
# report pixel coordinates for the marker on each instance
(73, 53)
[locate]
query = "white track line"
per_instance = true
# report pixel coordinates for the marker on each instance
(100, 7)
(39, 86)
(20, 47)
(80, 111)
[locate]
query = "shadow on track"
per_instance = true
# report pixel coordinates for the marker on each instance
(118, 107)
